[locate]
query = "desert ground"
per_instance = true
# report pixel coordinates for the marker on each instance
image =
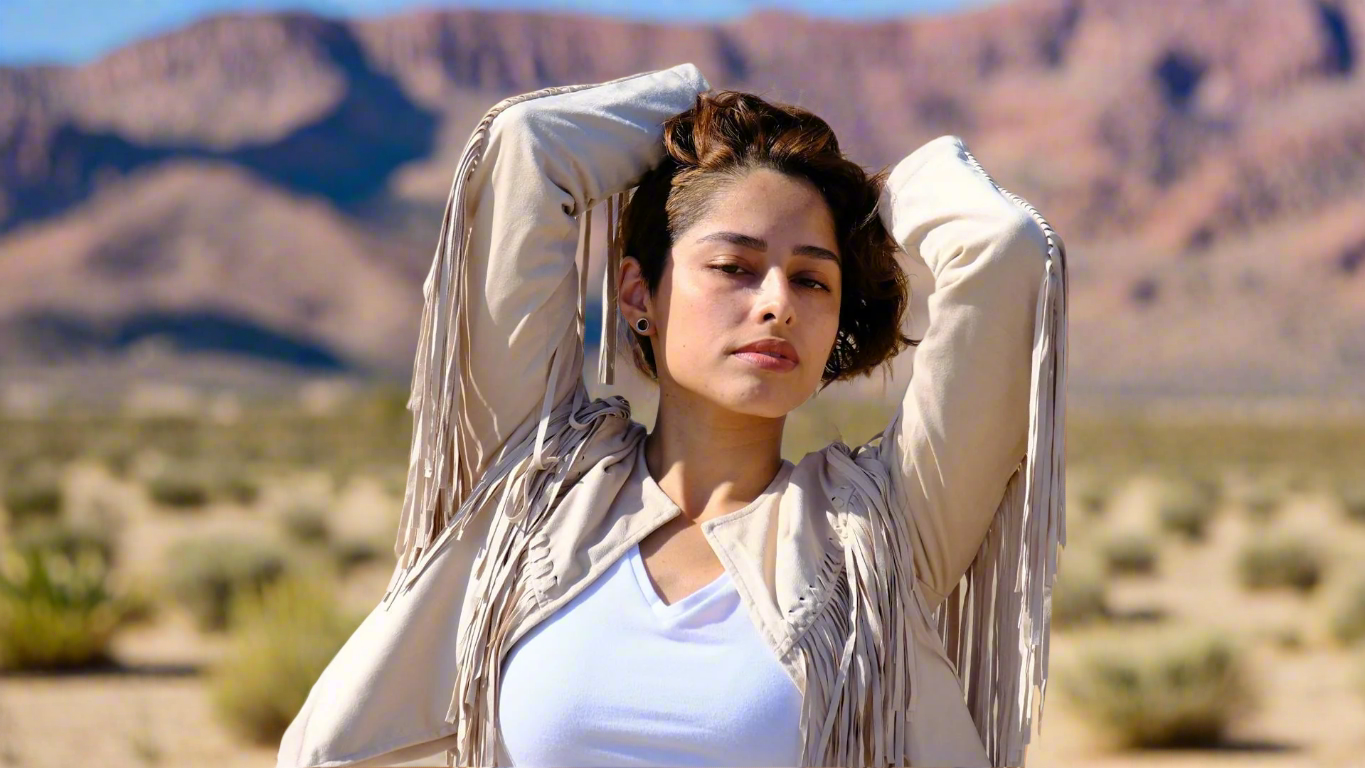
(151, 702)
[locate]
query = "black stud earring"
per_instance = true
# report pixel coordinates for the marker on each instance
(642, 324)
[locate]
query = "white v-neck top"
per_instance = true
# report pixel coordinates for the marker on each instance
(619, 677)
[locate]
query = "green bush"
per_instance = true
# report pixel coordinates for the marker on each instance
(395, 480)
(1183, 511)
(1078, 597)
(56, 612)
(180, 486)
(1348, 623)
(206, 574)
(306, 523)
(353, 552)
(1089, 492)
(67, 538)
(1262, 500)
(33, 491)
(1131, 553)
(116, 453)
(281, 642)
(142, 603)
(1352, 497)
(239, 485)
(1174, 689)
(1273, 563)
(1287, 638)
(342, 472)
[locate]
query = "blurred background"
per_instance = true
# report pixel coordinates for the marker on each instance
(215, 217)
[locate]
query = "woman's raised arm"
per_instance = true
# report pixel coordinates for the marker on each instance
(976, 453)
(963, 423)
(499, 341)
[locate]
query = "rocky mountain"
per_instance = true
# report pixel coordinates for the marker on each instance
(267, 188)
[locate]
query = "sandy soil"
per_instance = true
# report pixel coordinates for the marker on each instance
(154, 710)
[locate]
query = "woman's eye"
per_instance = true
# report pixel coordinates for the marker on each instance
(736, 269)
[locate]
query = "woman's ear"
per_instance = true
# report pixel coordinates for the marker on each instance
(632, 292)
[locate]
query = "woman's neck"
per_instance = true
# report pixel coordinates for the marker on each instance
(709, 460)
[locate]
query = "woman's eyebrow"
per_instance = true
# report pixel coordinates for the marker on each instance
(759, 244)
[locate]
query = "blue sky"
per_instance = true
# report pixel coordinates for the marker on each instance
(72, 31)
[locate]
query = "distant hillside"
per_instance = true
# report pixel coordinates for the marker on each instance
(268, 187)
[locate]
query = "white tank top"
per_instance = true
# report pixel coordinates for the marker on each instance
(618, 677)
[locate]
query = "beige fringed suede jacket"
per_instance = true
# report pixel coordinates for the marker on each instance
(904, 584)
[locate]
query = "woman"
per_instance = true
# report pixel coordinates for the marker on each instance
(572, 589)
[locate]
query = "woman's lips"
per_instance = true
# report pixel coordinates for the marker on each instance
(766, 361)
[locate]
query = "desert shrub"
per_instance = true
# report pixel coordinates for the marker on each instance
(1348, 620)
(1089, 492)
(343, 471)
(306, 522)
(350, 553)
(33, 491)
(1078, 597)
(1272, 563)
(1262, 500)
(1352, 496)
(1185, 509)
(1130, 553)
(281, 642)
(205, 574)
(67, 538)
(180, 486)
(115, 451)
(142, 602)
(395, 480)
(1172, 689)
(56, 611)
(1286, 638)
(237, 484)
(1208, 487)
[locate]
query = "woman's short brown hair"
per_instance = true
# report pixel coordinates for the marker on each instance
(721, 138)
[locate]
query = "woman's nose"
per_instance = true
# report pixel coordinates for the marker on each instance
(775, 297)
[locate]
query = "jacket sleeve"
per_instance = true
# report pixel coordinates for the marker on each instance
(962, 426)
(548, 160)
(500, 345)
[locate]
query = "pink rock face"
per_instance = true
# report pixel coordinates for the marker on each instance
(1204, 162)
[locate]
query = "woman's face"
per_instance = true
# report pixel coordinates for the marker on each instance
(761, 265)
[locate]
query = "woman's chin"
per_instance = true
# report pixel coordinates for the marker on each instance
(755, 396)
(751, 393)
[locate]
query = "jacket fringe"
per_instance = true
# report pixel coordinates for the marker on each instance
(611, 337)
(440, 471)
(996, 624)
(859, 654)
(502, 575)
(525, 480)
(994, 627)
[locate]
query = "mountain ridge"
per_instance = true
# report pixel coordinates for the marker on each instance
(1202, 161)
